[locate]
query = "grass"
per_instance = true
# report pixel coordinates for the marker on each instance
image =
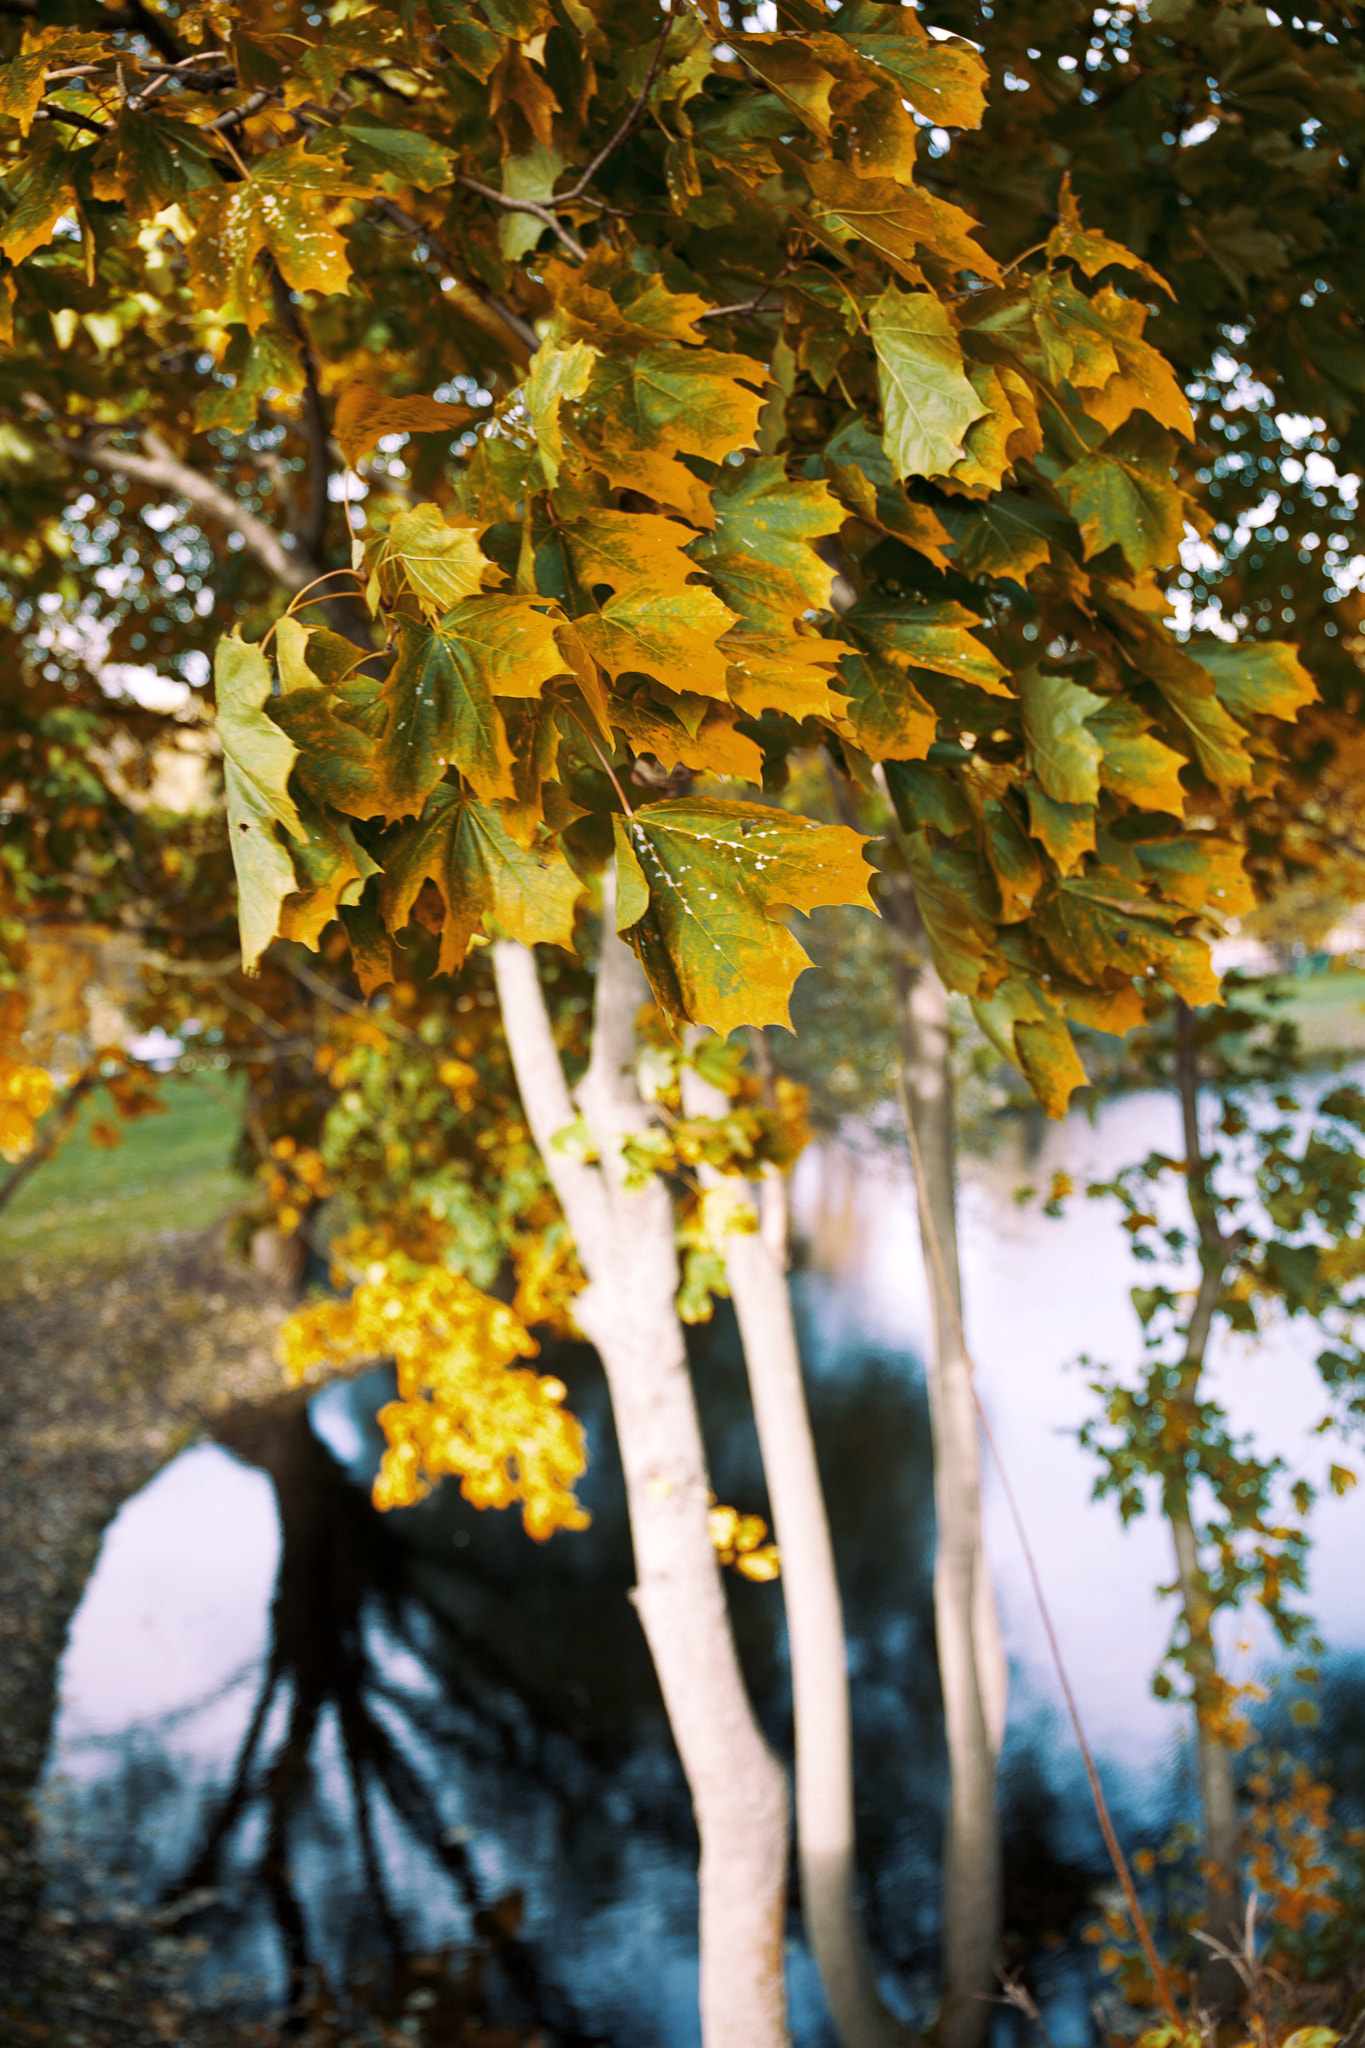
(170, 1173)
(1328, 1006)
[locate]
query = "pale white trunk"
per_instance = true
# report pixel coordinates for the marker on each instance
(626, 1245)
(972, 1667)
(755, 1264)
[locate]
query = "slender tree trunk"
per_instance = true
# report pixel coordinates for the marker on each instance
(755, 1263)
(1219, 1985)
(972, 1667)
(626, 1244)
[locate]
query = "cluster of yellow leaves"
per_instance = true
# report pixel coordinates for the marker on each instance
(1290, 1860)
(295, 1178)
(741, 1541)
(463, 1407)
(25, 1089)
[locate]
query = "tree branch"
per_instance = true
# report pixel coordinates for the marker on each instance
(55, 1127)
(531, 206)
(630, 123)
(163, 469)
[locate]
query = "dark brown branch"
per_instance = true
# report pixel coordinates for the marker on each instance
(71, 120)
(531, 206)
(628, 125)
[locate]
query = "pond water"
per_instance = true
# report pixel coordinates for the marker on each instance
(313, 1735)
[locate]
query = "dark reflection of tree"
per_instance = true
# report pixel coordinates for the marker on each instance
(341, 1571)
(535, 1672)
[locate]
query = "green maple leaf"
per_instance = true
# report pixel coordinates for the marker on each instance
(759, 553)
(264, 365)
(1097, 929)
(338, 763)
(43, 189)
(700, 890)
(945, 81)
(1066, 830)
(1059, 747)
(937, 637)
(1027, 1029)
(441, 715)
(1257, 679)
(1135, 763)
(485, 879)
(257, 758)
(376, 149)
(557, 376)
(1124, 497)
(689, 401)
(886, 716)
(927, 402)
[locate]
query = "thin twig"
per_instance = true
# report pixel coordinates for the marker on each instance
(54, 1129)
(628, 125)
(1111, 1840)
(531, 206)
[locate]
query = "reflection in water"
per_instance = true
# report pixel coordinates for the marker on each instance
(441, 1735)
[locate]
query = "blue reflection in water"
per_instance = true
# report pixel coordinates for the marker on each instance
(316, 1735)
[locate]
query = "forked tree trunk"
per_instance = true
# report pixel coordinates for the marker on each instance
(626, 1245)
(1220, 1987)
(755, 1264)
(972, 1669)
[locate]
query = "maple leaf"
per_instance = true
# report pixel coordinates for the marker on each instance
(927, 402)
(332, 868)
(1090, 249)
(885, 717)
(1200, 871)
(1060, 748)
(759, 553)
(438, 562)
(364, 416)
(1097, 929)
(902, 223)
(558, 375)
(659, 620)
(1026, 1028)
(279, 207)
(485, 879)
(257, 758)
(1125, 500)
(700, 887)
(930, 636)
(260, 366)
(45, 48)
(43, 190)
(1263, 678)
(681, 401)
(1134, 763)
(440, 714)
(943, 80)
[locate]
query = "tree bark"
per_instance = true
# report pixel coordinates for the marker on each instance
(755, 1264)
(1220, 1987)
(626, 1244)
(972, 1667)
